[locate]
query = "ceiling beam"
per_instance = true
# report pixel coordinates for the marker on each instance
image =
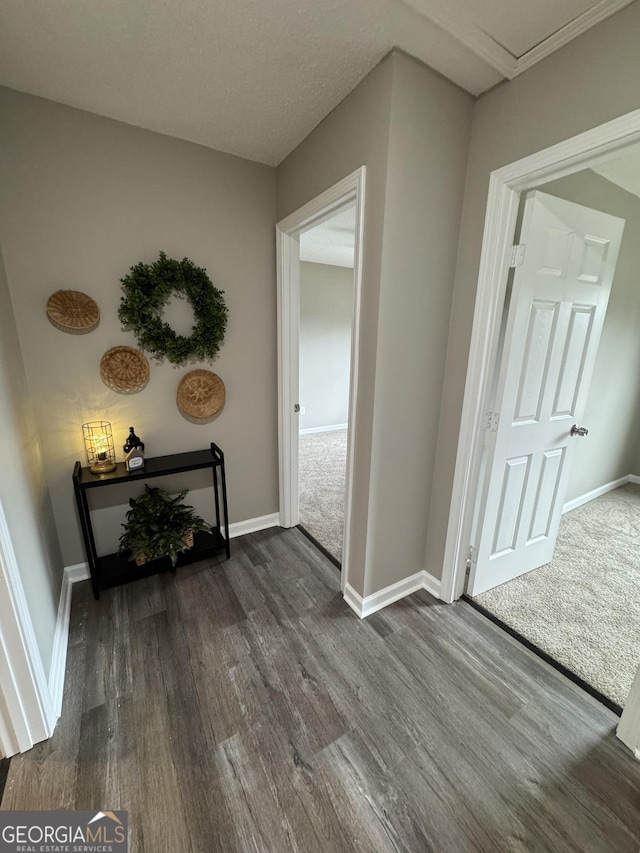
(444, 14)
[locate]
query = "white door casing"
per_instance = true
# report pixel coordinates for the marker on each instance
(560, 296)
(27, 713)
(343, 194)
(629, 726)
(505, 186)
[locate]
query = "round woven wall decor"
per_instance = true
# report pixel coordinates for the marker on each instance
(201, 395)
(124, 369)
(73, 312)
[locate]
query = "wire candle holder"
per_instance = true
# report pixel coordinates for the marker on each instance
(99, 446)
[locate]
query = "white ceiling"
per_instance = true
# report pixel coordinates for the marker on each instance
(254, 77)
(331, 242)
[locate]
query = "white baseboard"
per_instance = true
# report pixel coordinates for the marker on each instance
(331, 428)
(80, 571)
(432, 585)
(61, 637)
(353, 599)
(601, 490)
(252, 525)
(364, 607)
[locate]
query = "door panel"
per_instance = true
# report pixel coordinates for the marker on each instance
(548, 481)
(535, 365)
(514, 483)
(559, 301)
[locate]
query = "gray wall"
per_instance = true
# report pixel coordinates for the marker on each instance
(356, 133)
(428, 147)
(23, 490)
(82, 199)
(411, 128)
(589, 81)
(612, 413)
(326, 312)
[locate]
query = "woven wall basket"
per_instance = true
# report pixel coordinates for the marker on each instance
(124, 369)
(201, 395)
(73, 312)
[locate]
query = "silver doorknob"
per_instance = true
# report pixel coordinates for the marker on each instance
(577, 430)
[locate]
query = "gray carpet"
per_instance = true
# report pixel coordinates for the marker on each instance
(583, 608)
(323, 464)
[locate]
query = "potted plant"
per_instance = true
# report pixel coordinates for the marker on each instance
(159, 525)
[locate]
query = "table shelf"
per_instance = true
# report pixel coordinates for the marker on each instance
(112, 570)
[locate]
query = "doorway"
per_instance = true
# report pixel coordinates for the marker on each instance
(554, 314)
(344, 200)
(603, 466)
(582, 606)
(326, 321)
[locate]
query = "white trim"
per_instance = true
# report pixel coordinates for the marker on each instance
(629, 726)
(452, 20)
(347, 191)
(29, 716)
(364, 607)
(252, 525)
(596, 493)
(78, 572)
(505, 185)
(432, 585)
(330, 428)
(390, 594)
(600, 12)
(633, 478)
(61, 641)
(444, 14)
(288, 309)
(353, 599)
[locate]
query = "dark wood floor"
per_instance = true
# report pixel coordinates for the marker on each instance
(241, 706)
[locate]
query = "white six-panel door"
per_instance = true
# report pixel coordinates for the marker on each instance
(558, 304)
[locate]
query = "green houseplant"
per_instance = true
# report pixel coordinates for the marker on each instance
(147, 287)
(159, 525)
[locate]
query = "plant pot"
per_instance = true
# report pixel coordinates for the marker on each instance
(141, 559)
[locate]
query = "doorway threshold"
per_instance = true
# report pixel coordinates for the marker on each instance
(604, 700)
(320, 547)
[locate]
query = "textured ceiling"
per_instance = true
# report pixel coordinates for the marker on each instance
(331, 242)
(250, 77)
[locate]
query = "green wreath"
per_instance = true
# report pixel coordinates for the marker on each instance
(146, 290)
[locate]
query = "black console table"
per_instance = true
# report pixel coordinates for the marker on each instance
(114, 569)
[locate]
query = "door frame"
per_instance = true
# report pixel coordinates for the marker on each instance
(27, 713)
(347, 191)
(505, 187)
